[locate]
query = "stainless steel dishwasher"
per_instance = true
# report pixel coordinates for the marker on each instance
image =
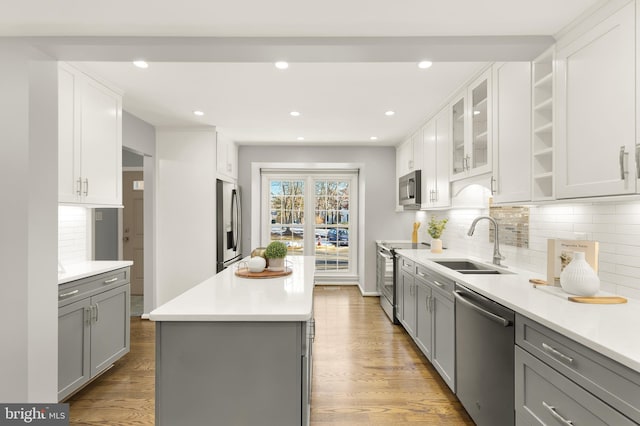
(484, 358)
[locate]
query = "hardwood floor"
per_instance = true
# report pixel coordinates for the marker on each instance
(366, 372)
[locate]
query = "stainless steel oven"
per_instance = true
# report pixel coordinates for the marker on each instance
(385, 279)
(386, 261)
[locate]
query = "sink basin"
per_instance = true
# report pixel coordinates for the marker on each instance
(470, 267)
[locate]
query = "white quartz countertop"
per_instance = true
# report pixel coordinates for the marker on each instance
(609, 329)
(227, 297)
(77, 271)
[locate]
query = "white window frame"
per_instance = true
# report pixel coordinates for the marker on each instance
(338, 170)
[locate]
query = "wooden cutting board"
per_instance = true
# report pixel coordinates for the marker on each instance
(244, 273)
(600, 300)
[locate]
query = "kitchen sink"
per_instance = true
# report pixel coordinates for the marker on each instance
(470, 267)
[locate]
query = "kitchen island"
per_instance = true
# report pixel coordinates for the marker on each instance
(238, 351)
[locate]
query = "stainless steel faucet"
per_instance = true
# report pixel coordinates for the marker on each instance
(497, 257)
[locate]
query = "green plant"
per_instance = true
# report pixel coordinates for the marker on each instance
(436, 227)
(275, 250)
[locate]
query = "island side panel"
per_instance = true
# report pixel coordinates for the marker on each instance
(229, 373)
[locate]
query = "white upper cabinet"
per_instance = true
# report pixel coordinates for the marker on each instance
(226, 157)
(435, 170)
(596, 117)
(89, 141)
(470, 114)
(511, 181)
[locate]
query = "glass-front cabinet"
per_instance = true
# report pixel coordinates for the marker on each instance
(457, 136)
(470, 131)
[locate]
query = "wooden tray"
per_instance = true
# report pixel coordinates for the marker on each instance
(600, 300)
(244, 273)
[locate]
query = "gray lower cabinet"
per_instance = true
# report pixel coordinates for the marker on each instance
(429, 317)
(424, 327)
(233, 373)
(93, 328)
(405, 293)
(560, 381)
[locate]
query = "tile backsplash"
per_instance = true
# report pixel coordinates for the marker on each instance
(73, 238)
(616, 225)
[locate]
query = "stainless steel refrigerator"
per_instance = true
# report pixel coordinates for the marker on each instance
(228, 224)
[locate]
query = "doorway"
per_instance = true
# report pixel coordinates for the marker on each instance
(314, 212)
(131, 225)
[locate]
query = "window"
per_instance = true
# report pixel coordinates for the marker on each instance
(329, 199)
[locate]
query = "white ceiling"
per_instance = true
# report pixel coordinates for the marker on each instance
(342, 99)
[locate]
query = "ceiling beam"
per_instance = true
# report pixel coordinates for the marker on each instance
(294, 49)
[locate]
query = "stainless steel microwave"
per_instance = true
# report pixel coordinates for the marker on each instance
(409, 190)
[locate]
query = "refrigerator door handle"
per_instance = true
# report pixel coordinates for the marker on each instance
(235, 218)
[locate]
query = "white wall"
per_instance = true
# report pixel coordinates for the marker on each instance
(616, 225)
(185, 209)
(380, 220)
(28, 225)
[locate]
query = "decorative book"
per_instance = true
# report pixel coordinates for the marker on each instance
(560, 253)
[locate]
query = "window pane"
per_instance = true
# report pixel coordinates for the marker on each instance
(287, 213)
(332, 225)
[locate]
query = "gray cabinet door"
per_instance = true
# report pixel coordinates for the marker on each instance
(424, 321)
(110, 327)
(443, 353)
(73, 347)
(545, 397)
(409, 302)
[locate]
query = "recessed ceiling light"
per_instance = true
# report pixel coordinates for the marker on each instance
(425, 64)
(476, 112)
(389, 113)
(374, 138)
(300, 138)
(294, 114)
(282, 65)
(141, 64)
(198, 113)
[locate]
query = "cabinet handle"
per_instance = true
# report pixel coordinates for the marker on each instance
(71, 293)
(623, 172)
(421, 274)
(436, 194)
(466, 162)
(97, 311)
(86, 186)
(111, 280)
(557, 354)
(79, 186)
(493, 180)
(87, 315)
(426, 302)
(556, 415)
(438, 284)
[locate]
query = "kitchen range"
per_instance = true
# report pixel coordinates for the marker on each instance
(386, 267)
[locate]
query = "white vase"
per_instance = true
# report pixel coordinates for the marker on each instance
(579, 278)
(276, 264)
(436, 245)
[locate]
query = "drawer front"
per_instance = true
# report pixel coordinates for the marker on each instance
(75, 290)
(545, 397)
(407, 265)
(443, 284)
(610, 381)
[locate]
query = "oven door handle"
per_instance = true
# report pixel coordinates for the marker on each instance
(385, 255)
(493, 317)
